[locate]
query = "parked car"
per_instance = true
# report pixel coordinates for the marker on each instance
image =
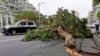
(18, 27)
(92, 28)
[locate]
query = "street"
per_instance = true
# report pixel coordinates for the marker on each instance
(12, 46)
(77, 21)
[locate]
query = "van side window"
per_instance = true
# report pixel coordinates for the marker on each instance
(30, 23)
(22, 23)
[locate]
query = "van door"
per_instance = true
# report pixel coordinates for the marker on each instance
(22, 27)
(31, 25)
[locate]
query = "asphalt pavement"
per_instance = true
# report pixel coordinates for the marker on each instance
(58, 50)
(12, 46)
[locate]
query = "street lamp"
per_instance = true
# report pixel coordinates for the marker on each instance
(39, 4)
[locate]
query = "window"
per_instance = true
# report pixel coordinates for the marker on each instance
(30, 23)
(23, 23)
(11, 7)
(9, 20)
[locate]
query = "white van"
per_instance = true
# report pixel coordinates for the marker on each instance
(19, 27)
(92, 28)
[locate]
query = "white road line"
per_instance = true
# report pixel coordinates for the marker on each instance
(10, 40)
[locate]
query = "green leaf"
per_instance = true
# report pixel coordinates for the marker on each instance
(98, 14)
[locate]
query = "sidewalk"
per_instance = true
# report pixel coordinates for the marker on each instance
(88, 45)
(58, 50)
(96, 39)
(1, 33)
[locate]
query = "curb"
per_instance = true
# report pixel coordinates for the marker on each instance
(1, 34)
(96, 39)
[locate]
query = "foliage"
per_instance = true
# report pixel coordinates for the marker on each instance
(95, 2)
(6, 1)
(40, 34)
(26, 15)
(67, 20)
(72, 24)
(29, 15)
(98, 32)
(98, 14)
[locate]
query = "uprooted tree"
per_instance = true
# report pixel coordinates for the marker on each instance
(69, 22)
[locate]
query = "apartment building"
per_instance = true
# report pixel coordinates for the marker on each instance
(9, 8)
(76, 14)
(96, 9)
(90, 17)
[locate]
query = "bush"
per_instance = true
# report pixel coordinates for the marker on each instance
(98, 32)
(29, 36)
(40, 34)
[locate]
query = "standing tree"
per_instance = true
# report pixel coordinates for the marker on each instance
(97, 21)
(95, 2)
(29, 15)
(98, 14)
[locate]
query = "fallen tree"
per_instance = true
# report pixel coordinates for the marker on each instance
(70, 44)
(69, 22)
(63, 24)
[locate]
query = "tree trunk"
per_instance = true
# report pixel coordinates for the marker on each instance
(70, 44)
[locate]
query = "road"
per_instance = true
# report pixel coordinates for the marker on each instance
(12, 46)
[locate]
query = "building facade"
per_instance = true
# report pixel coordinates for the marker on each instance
(9, 8)
(90, 19)
(96, 9)
(76, 14)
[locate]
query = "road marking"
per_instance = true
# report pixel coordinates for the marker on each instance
(10, 40)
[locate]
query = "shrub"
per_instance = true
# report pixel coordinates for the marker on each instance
(40, 34)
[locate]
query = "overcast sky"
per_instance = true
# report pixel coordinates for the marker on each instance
(50, 6)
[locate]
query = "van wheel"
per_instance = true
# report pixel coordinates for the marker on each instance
(8, 34)
(13, 32)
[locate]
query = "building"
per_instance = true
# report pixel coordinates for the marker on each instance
(9, 8)
(90, 19)
(96, 8)
(76, 14)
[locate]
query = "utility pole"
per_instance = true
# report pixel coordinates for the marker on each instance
(39, 4)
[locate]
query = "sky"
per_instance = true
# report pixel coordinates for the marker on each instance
(49, 7)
